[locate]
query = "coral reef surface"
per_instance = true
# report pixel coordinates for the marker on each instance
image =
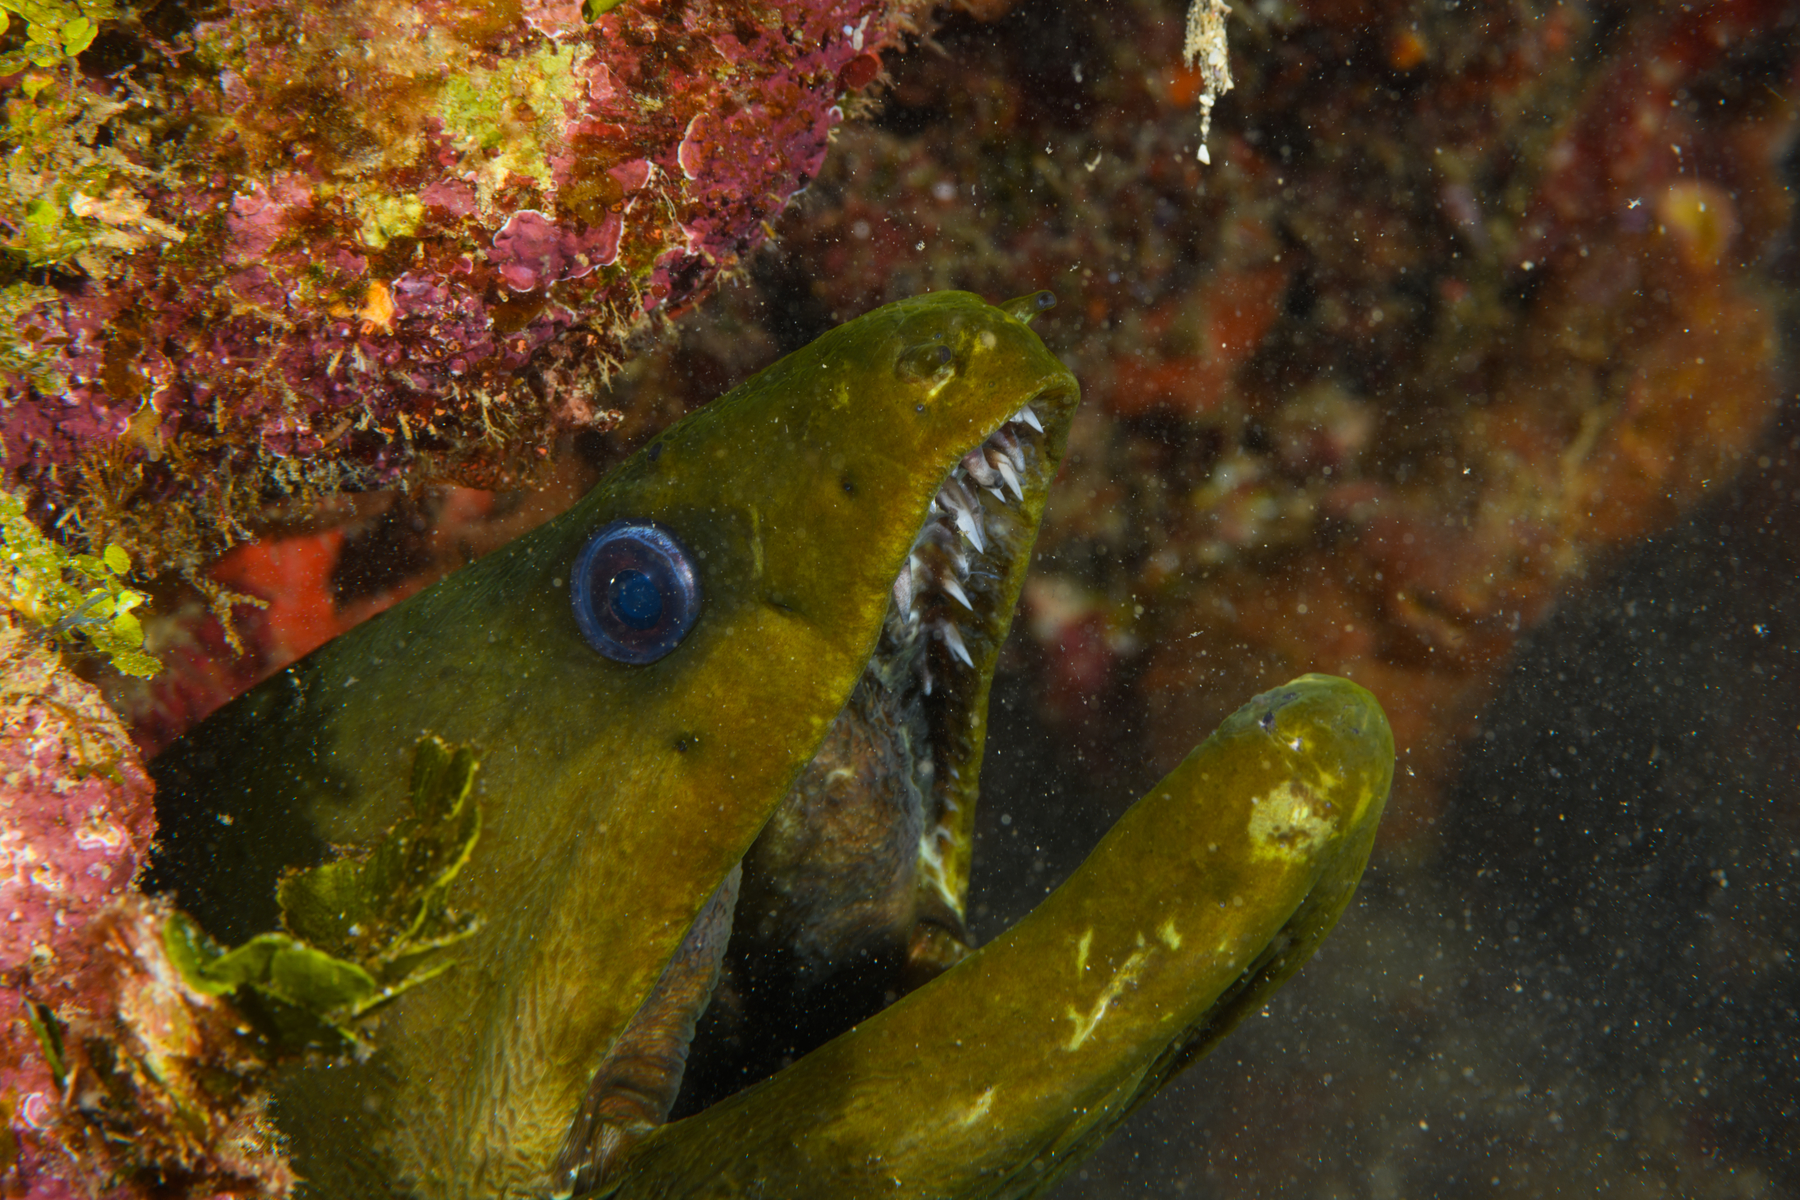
(115, 1077)
(254, 250)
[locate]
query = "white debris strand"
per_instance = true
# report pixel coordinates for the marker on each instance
(1205, 47)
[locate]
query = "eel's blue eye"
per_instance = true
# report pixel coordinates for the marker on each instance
(634, 591)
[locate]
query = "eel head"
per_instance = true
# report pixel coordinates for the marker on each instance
(729, 713)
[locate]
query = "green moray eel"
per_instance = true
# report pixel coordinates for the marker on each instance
(714, 812)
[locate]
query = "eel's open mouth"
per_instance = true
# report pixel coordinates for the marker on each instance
(593, 988)
(853, 894)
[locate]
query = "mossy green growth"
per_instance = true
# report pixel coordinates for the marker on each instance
(72, 599)
(383, 218)
(359, 930)
(299, 997)
(48, 136)
(54, 30)
(513, 111)
(70, 194)
(21, 356)
(388, 908)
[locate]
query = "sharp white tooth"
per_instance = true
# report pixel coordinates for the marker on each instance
(967, 512)
(1029, 417)
(970, 525)
(1009, 446)
(979, 469)
(956, 590)
(953, 495)
(954, 641)
(1004, 466)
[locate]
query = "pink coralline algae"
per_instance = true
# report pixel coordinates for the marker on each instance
(531, 253)
(75, 810)
(388, 241)
(110, 1066)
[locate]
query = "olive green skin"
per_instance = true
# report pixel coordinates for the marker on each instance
(1008, 1069)
(614, 797)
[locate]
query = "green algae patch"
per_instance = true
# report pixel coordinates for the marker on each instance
(358, 929)
(71, 599)
(514, 111)
(296, 995)
(54, 30)
(391, 905)
(382, 218)
(72, 194)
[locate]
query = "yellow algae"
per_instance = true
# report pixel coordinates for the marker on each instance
(1285, 823)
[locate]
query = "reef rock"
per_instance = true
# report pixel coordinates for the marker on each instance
(275, 249)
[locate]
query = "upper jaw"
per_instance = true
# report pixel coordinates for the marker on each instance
(951, 608)
(854, 892)
(919, 696)
(855, 888)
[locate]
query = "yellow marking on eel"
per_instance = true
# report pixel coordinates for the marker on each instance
(1283, 824)
(977, 1110)
(931, 861)
(1124, 977)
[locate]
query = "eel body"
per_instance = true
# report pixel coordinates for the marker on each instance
(756, 823)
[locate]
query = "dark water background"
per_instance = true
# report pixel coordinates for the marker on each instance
(1586, 984)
